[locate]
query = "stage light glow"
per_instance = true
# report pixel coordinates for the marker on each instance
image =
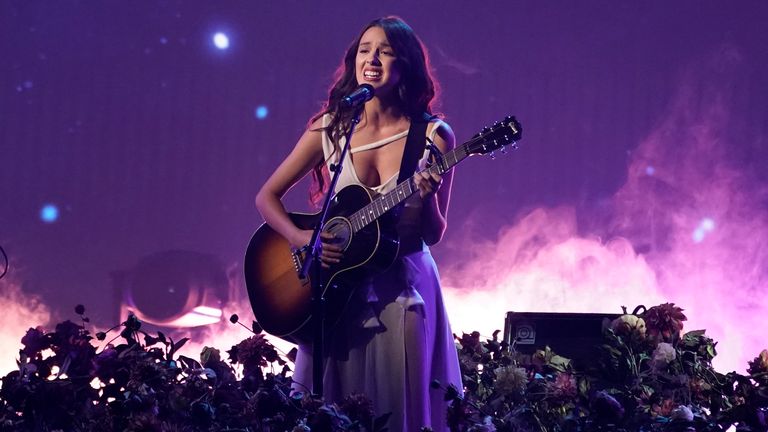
(261, 112)
(221, 41)
(649, 170)
(163, 40)
(707, 224)
(49, 213)
(698, 235)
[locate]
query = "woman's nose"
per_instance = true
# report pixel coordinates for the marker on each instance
(374, 58)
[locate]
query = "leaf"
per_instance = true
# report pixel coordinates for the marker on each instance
(177, 346)
(256, 327)
(560, 364)
(711, 350)
(189, 363)
(583, 386)
(65, 365)
(292, 354)
(149, 340)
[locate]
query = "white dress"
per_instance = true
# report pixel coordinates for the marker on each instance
(395, 339)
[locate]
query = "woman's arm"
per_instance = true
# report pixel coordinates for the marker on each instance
(435, 191)
(307, 153)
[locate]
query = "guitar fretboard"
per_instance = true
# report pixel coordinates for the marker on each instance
(402, 191)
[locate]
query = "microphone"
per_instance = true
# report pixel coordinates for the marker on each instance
(361, 95)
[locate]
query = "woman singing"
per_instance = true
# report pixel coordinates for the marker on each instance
(394, 338)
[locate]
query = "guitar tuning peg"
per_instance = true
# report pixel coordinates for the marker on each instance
(492, 155)
(503, 149)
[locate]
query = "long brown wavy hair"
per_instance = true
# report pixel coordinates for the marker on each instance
(415, 91)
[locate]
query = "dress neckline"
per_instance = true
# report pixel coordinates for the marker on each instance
(370, 146)
(380, 143)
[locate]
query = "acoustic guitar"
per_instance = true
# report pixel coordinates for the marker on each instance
(363, 225)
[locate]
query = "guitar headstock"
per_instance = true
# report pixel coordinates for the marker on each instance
(500, 134)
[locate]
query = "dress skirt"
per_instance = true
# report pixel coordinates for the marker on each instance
(392, 342)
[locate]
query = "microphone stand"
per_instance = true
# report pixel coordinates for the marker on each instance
(312, 262)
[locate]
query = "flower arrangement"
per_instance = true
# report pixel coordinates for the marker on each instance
(65, 382)
(648, 376)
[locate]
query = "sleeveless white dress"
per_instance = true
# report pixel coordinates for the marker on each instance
(395, 338)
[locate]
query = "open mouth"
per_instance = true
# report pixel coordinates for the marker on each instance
(371, 75)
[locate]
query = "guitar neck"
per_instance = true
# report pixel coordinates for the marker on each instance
(402, 191)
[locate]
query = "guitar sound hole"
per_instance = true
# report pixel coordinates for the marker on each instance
(342, 231)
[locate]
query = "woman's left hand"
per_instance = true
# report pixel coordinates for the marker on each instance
(427, 183)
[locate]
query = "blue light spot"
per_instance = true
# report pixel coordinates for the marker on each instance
(49, 213)
(698, 235)
(650, 170)
(163, 40)
(261, 112)
(221, 41)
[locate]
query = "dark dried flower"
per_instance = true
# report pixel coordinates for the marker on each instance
(106, 364)
(664, 408)
(358, 407)
(664, 322)
(66, 332)
(564, 386)
(209, 355)
(760, 363)
(254, 353)
(132, 324)
(79, 309)
(35, 341)
(470, 343)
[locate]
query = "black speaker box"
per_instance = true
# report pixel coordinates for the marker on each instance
(571, 335)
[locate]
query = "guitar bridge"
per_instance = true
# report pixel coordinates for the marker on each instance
(298, 256)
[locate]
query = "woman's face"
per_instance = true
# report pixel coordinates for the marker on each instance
(375, 62)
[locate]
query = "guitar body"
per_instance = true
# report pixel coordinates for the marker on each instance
(281, 301)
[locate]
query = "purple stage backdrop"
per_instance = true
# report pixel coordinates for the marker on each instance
(132, 128)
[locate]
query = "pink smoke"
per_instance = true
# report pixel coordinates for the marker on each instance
(690, 205)
(20, 312)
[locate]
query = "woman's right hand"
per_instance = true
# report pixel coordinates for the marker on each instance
(331, 253)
